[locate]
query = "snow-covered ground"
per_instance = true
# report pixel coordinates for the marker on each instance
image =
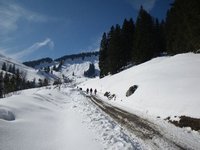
(49, 119)
(63, 118)
(167, 86)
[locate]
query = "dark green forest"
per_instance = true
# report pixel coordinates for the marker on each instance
(34, 63)
(12, 79)
(147, 37)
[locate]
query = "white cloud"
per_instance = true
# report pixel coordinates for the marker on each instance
(147, 4)
(11, 13)
(36, 46)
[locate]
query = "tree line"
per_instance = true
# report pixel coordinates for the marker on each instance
(12, 79)
(140, 41)
(76, 56)
(36, 63)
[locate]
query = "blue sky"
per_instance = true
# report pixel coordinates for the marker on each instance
(33, 29)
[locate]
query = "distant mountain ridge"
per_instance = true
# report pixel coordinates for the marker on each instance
(36, 63)
(71, 67)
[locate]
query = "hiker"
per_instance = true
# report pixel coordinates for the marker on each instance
(87, 90)
(91, 91)
(95, 91)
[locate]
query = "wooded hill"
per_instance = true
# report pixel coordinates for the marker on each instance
(147, 37)
(34, 63)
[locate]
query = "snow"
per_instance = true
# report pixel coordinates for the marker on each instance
(29, 72)
(77, 67)
(167, 86)
(6, 114)
(49, 119)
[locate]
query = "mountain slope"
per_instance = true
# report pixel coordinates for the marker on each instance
(73, 66)
(35, 63)
(30, 72)
(74, 69)
(167, 86)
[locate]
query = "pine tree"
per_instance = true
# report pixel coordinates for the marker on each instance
(115, 59)
(60, 65)
(46, 82)
(33, 84)
(6, 82)
(163, 36)
(127, 35)
(90, 72)
(18, 80)
(183, 26)
(103, 56)
(1, 85)
(110, 37)
(144, 37)
(13, 69)
(47, 69)
(54, 68)
(158, 37)
(40, 82)
(10, 69)
(4, 67)
(13, 83)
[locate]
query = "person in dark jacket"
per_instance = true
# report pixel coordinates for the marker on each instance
(95, 91)
(91, 91)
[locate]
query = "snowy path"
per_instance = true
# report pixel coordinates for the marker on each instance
(155, 136)
(109, 132)
(49, 119)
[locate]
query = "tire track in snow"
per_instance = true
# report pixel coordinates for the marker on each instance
(110, 134)
(142, 128)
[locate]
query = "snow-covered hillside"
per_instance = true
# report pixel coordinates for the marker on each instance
(74, 69)
(64, 117)
(53, 119)
(167, 86)
(30, 72)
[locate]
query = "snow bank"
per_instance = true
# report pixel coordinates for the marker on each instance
(53, 119)
(167, 86)
(5, 114)
(44, 120)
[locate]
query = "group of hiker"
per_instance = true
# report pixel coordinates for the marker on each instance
(91, 90)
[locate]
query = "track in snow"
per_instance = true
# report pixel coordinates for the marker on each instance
(138, 126)
(109, 132)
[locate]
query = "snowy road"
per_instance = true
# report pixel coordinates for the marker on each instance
(49, 119)
(108, 132)
(153, 135)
